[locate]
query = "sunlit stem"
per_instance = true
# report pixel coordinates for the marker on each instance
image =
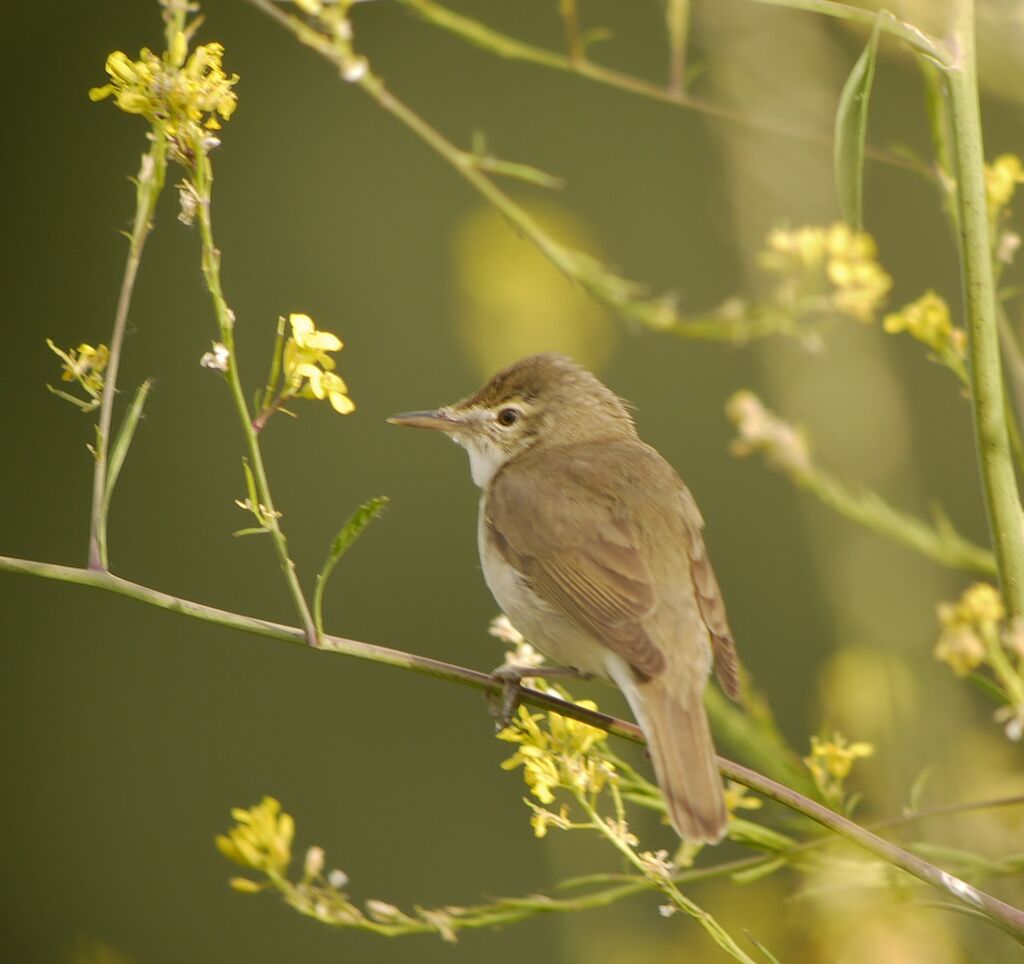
(203, 183)
(1002, 498)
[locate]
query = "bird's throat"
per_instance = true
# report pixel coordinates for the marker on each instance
(485, 458)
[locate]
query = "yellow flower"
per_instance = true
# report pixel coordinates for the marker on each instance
(833, 263)
(983, 604)
(1001, 179)
(261, 838)
(562, 755)
(171, 90)
(927, 319)
(966, 627)
(309, 368)
(830, 762)
(84, 365)
(736, 798)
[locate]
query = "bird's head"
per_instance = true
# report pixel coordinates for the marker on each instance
(544, 399)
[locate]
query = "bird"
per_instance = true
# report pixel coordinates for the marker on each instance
(593, 547)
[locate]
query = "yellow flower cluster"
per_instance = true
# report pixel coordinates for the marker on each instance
(830, 763)
(171, 90)
(84, 365)
(967, 627)
(831, 262)
(261, 840)
(309, 368)
(564, 754)
(928, 320)
(1001, 179)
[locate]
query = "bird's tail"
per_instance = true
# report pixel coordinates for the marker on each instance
(679, 741)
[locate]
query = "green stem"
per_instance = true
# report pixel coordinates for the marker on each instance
(1002, 499)
(571, 25)
(148, 187)
(510, 48)
(663, 882)
(203, 183)
(677, 23)
(1010, 918)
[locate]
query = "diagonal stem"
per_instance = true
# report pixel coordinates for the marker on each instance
(1009, 918)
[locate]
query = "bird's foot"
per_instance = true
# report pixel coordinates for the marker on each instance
(504, 701)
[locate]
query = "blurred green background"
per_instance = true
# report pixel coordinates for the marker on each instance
(128, 733)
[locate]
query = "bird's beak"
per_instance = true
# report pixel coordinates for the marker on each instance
(442, 419)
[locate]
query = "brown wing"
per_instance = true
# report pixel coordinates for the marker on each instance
(567, 539)
(709, 600)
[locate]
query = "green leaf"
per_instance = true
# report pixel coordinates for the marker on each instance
(124, 437)
(760, 870)
(250, 489)
(758, 836)
(764, 950)
(851, 131)
(342, 542)
(355, 525)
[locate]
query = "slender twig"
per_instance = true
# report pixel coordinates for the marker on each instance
(510, 48)
(203, 183)
(610, 889)
(571, 25)
(660, 881)
(1010, 918)
(148, 185)
(627, 298)
(677, 24)
(1002, 499)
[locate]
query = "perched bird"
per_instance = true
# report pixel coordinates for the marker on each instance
(591, 544)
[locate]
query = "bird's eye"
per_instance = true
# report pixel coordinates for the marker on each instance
(508, 416)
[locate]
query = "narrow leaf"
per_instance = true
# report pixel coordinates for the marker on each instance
(764, 950)
(355, 525)
(342, 542)
(125, 434)
(758, 871)
(250, 488)
(851, 131)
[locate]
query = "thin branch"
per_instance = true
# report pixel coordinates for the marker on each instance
(148, 186)
(510, 48)
(203, 183)
(1009, 918)
(1002, 499)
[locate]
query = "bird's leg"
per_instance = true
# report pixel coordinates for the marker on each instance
(511, 677)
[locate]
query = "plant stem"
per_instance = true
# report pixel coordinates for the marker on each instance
(203, 183)
(1002, 499)
(1009, 918)
(664, 883)
(510, 48)
(677, 24)
(148, 186)
(571, 25)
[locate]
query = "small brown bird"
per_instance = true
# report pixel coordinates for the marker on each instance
(592, 546)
